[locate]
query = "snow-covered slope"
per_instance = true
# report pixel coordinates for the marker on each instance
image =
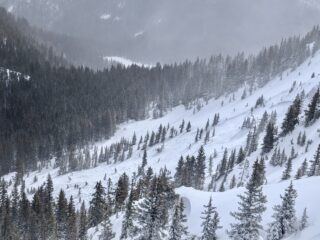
(278, 94)
(123, 61)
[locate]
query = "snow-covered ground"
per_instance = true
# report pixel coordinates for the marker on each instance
(278, 95)
(105, 16)
(124, 61)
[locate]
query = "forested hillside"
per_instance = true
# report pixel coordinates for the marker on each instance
(60, 107)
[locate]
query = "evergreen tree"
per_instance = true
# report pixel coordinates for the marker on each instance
(292, 117)
(61, 215)
(285, 221)
(313, 109)
(127, 229)
(200, 169)
(254, 141)
(304, 220)
(121, 191)
(210, 223)
(107, 233)
(181, 126)
(178, 230)
(263, 122)
(178, 176)
(232, 160)
(315, 164)
(98, 206)
(149, 215)
(71, 221)
(188, 129)
(207, 137)
(83, 222)
(241, 156)
(269, 139)
(223, 164)
(134, 139)
(287, 172)
(251, 207)
(304, 167)
(144, 158)
(233, 182)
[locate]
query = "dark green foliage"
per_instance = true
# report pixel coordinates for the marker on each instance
(315, 164)
(269, 139)
(285, 220)
(61, 106)
(292, 117)
(121, 192)
(313, 111)
(98, 205)
(251, 207)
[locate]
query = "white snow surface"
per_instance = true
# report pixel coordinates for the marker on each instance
(277, 97)
(105, 16)
(138, 34)
(124, 61)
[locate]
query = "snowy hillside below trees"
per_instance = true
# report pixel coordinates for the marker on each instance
(253, 142)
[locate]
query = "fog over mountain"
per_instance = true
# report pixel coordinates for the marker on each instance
(170, 30)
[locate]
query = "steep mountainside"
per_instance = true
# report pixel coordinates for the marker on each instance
(241, 114)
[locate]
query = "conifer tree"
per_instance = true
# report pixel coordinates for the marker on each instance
(179, 173)
(285, 221)
(149, 214)
(181, 126)
(232, 160)
(107, 233)
(313, 109)
(304, 220)
(127, 229)
(241, 156)
(287, 172)
(304, 167)
(178, 230)
(263, 122)
(134, 139)
(207, 137)
(83, 223)
(144, 158)
(233, 182)
(210, 223)
(188, 129)
(315, 164)
(121, 191)
(98, 206)
(71, 221)
(197, 136)
(200, 169)
(254, 141)
(61, 215)
(292, 117)
(251, 207)
(223, 165)
(269, 139)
